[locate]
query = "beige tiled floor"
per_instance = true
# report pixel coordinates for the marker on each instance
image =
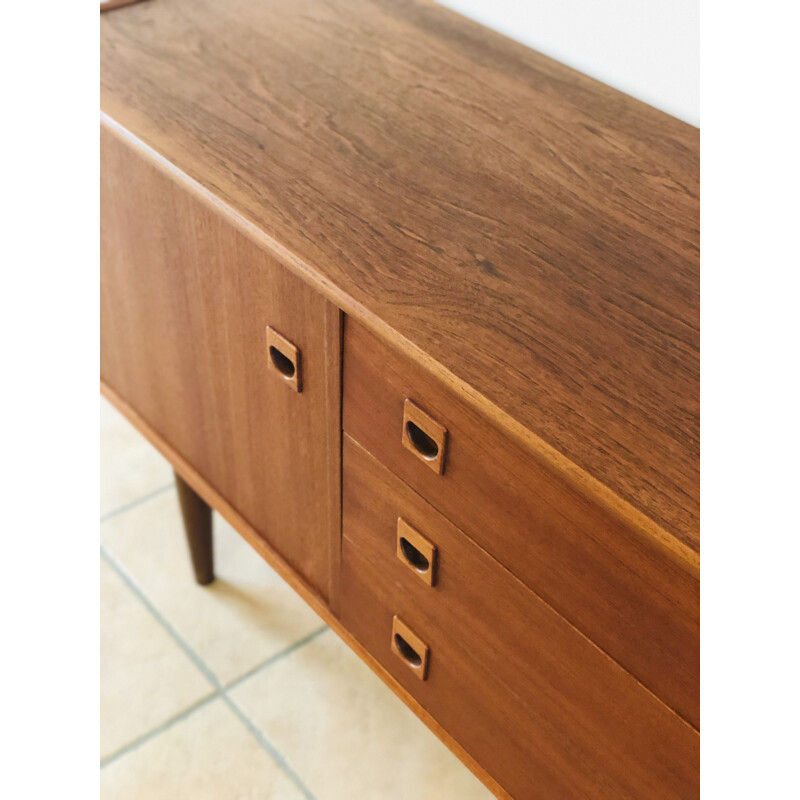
(129, 467)
(236, 690)
(147, 678)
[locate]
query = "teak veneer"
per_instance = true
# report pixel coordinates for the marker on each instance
(380, 221)
(185, 301)
(528, 232)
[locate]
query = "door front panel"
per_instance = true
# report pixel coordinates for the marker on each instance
(187, 306)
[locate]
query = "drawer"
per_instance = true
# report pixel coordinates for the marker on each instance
(622, 591)
(540, 707)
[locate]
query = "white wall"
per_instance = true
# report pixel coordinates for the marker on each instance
(646, 48)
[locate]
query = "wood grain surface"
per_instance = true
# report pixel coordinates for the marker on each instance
(527, 233)
(185, 301)
(624, 593)
(545, 711)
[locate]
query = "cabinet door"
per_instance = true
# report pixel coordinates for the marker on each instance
(186, 301)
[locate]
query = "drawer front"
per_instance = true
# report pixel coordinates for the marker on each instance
(542, 709)
(232, 360)
(623, 592)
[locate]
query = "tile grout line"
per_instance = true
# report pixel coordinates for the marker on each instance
(159, 729)
(259, 736)
(273, 659)
(193, 657)
(221, 691)
(134, 503)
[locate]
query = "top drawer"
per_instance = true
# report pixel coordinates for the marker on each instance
(626, 595)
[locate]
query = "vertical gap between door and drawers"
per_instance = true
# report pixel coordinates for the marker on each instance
(334, 346)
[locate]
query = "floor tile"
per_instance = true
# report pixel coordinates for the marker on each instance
(130, 467)
(344, 732)
(145, 677)
(209, 755)
(245, 617)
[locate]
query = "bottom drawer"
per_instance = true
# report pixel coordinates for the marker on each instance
(540, 707)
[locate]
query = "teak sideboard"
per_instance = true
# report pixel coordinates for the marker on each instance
(416, 309)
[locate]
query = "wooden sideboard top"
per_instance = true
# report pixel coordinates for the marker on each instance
(529, 234)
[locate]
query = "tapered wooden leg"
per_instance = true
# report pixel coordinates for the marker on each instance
(197, 523)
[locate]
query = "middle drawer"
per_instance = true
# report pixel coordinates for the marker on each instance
(537, 704)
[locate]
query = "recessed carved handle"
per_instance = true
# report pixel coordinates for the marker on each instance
(416, 552)
(424, 436)
(410, 649)
(284, 359)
